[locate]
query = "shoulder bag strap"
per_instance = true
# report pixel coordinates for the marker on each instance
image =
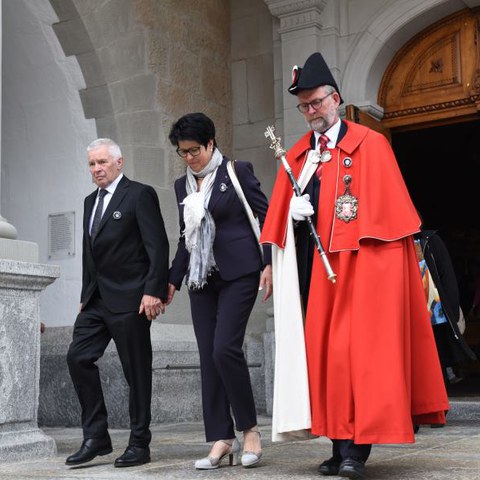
(251, 217)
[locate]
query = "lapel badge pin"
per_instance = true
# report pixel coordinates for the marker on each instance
(223, 187)
(117, 215)
(347, 162)
(326, 156)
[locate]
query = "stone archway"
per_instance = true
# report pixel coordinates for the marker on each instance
(377, 45)
(112, 57)
(44, 133)
(136, 57)
(76, 40)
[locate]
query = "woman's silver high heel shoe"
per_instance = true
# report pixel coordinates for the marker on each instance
(210, 463)
(250, 459)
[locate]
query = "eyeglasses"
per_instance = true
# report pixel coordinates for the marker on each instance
(193, 151)
(315, 104)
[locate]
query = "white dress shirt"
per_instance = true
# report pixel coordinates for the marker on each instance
(331, 133)
(106, 199)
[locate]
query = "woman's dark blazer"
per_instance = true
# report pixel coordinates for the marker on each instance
(235, 248)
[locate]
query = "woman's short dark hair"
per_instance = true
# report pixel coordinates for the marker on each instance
(193, 126)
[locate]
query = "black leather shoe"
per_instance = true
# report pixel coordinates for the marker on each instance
(352, 468)
(133, 456)
(329, 467)
(91, 447)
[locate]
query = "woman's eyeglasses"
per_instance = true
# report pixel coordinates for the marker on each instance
(194, 151)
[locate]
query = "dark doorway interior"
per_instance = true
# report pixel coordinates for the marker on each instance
(441, 167)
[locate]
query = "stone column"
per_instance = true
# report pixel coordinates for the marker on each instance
(20, 286)
(9, 247)
(21, 282)
(6, 230)
(301, 33)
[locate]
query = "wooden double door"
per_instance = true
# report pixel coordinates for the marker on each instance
(431, 98)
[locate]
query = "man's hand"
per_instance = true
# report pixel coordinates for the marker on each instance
(151, 306)
(300, 207)
(266, 281)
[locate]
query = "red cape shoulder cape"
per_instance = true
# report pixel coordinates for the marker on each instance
(385, 210)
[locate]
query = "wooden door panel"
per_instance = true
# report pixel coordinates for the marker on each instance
(436, 75)
(354, 114)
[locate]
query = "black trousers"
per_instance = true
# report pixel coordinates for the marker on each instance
(220, 313)
(94, 328)
(342, 449)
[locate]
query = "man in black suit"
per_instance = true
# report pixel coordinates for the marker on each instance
(124, 287)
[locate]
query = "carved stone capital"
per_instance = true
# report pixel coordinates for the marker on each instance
(279, 8)
(297, 15)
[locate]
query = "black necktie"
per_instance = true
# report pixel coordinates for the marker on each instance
(98, 214)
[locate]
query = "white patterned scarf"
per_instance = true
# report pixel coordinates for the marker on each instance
(199, 225)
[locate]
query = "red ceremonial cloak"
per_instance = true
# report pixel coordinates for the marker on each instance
(373, 366)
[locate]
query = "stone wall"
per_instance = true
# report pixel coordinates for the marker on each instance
(176, 380)
(253, 88)
(188, 51)
(145, 64)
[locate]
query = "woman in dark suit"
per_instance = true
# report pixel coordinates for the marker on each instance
(220, 258)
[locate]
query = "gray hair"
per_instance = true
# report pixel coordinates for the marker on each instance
(329, 89)
(113, 148)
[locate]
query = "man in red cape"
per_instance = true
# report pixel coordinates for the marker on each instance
(373, 368)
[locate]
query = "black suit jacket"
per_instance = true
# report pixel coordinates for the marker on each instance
(235, 248)
(304, 241)
(129, 256)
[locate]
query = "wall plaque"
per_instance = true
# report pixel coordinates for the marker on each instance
(61, 235)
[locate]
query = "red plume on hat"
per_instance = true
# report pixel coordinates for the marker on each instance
(314, 73)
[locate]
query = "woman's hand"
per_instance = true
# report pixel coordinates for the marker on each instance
(266, 281)
(171, 292)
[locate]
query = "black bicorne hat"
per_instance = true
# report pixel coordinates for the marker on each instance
(314, 73)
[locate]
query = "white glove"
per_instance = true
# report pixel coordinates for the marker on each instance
(300, 207)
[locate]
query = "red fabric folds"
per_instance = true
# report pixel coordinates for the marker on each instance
(373, 367)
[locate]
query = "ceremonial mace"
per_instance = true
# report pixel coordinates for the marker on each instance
(280, 155)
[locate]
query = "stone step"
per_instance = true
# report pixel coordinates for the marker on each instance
(464, 409)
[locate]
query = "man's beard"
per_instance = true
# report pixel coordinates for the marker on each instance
(322, 124)
(319, 125)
